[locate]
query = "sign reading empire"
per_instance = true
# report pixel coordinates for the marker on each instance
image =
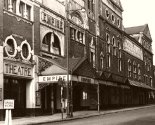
(132, 49)
(53, 78)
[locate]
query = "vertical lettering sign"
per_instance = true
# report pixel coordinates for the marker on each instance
(17, 69)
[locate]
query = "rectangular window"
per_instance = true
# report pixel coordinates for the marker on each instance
(6, 4)
(91, 5)
(14, 6)
(28, 12)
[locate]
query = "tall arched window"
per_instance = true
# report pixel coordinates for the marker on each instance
(51, 43)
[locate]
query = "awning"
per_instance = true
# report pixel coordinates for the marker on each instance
(42, 85)
(108, 83)
(140, 84)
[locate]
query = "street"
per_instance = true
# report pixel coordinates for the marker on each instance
(136, 117)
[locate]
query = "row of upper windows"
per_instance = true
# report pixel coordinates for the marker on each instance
(19, 7)
(77, 35)
(136, 70)
(115, 45)
(91, 5)
(113, 18)
(108, 63)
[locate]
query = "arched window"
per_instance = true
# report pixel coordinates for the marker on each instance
(51, 43)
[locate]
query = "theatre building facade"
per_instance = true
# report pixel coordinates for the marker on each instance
(17, 63)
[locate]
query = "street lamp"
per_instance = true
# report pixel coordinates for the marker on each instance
(69, 114)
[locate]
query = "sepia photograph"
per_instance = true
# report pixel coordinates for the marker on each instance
(77, 62)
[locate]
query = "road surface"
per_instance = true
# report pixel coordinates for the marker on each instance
(136, 117)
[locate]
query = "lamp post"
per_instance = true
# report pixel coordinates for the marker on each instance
(69, 95)
(67, 56)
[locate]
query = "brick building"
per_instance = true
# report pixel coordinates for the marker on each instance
(54, 56)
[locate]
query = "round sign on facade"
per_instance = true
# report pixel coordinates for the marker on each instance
(25, 50)
(10, 46)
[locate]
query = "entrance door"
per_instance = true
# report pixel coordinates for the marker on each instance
(16, 89)
(46, 100)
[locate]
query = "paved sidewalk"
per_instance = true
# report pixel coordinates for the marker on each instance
(57, 117)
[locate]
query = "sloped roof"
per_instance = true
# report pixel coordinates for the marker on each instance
(78, 66)
(137, 29)
(117, 3)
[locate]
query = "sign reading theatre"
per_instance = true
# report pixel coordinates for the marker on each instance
(17, 69)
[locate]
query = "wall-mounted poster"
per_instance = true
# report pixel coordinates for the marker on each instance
(38, 98)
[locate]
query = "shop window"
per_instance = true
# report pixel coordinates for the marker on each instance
(51, 43)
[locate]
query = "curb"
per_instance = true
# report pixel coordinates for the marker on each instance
(92, 115)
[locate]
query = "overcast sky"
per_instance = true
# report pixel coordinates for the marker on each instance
(139, 12)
